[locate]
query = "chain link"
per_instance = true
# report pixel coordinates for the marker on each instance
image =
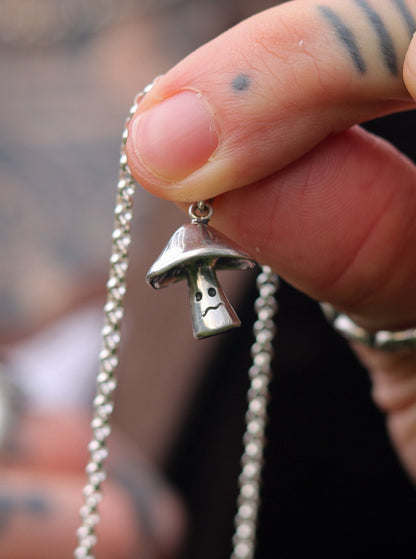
(248, 502)
(111, 337)
(244, 538)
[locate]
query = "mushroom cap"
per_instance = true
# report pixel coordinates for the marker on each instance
(192, 245)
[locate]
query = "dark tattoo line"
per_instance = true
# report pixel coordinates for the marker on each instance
(32, 504)
(386, 43)
(241, 82)
(407, 16)
(145, 489)
(346, 36)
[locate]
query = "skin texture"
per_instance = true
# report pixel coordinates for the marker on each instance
(384, 38)
(346, 37)
(330, 207)
(241, 82)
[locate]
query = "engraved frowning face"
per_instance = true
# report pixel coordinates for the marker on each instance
(209, 299)
(211, 310)
(194, 252)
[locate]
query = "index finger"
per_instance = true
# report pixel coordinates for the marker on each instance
(266, 92)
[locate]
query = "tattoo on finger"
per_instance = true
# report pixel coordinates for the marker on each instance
(241, 82)
(408, 19)
(33, 504)
(385, 40)
(346, 36)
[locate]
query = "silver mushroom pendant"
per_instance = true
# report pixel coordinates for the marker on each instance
(195, 252)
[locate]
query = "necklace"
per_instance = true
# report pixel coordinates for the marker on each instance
(209, 250)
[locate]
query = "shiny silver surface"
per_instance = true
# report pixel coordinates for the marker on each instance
(211, 310)
(382, 339)
(111, 338)
(215, 252)
(194, 253)
(254, 438)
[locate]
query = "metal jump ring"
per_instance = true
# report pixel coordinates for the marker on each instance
(201, 212)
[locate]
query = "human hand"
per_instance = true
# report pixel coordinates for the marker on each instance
(40, 495)
(262, 118)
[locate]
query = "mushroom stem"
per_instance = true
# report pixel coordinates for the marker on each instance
(211, 310)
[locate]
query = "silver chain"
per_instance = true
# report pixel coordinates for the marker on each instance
(244, 538)
(111, 338)
(260, 372)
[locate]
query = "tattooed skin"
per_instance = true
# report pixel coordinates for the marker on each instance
(385, 41)
(241, 82)
(346, 36)
(28, 504)
(409, 20)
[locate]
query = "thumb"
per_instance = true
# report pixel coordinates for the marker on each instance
(409, 68)
(266, 92)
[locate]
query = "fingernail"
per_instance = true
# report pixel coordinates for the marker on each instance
(175, 137)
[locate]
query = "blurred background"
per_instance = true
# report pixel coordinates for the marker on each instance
(69, 70)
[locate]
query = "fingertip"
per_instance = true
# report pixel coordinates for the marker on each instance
(176, 136)
(260, 96)
(159, 170)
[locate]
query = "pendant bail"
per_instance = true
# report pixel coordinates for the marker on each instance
(201, 212)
